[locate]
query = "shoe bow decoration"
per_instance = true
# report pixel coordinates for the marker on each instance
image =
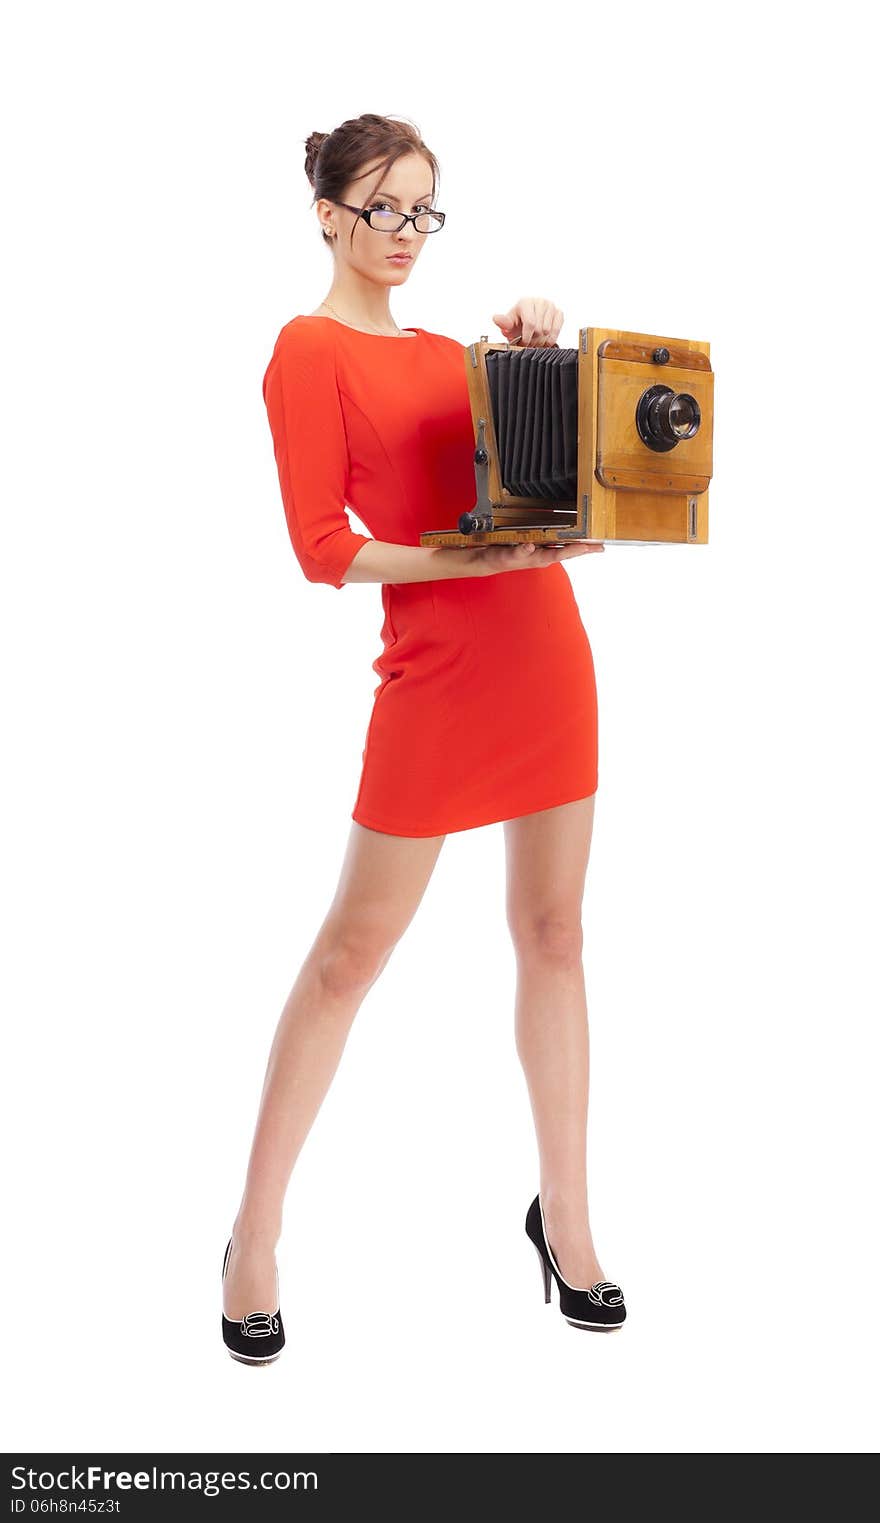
(605, 1293)
(259, 1324)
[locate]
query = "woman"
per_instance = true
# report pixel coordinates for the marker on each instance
(365, 413)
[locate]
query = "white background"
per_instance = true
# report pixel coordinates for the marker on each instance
(184, 716)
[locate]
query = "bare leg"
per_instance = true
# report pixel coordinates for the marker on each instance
(381, 884)
(547, 855)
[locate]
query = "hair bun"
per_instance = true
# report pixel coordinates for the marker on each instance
(313, 148)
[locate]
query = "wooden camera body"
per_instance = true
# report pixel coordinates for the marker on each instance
(620, 442)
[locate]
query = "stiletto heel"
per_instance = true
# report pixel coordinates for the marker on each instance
(599, 1307)
(545, 1271)
(257, 1330)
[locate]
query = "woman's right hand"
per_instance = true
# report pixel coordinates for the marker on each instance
(487, 560)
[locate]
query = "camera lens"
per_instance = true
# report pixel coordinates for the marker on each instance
(664, 416)
(684, 415)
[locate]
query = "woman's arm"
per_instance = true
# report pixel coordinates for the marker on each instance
(380, 561)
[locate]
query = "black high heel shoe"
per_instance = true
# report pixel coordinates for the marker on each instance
(599, 1308)
(258, 1337)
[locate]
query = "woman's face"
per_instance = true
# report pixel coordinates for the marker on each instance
(406, 187)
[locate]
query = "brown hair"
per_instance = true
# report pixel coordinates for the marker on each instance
(334, 159)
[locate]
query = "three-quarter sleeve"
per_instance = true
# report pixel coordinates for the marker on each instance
(311, 451)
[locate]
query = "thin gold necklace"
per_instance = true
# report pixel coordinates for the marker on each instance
(354, 325)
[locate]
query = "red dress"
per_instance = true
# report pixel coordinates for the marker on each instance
(486, 704)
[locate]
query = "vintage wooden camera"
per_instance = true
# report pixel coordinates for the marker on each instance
(611, 441)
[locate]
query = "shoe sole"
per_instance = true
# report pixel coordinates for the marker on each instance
(253, 1359)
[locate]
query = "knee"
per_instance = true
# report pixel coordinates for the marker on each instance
(349, 962)
(554, 937)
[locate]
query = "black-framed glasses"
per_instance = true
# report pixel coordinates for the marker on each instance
(384, 219)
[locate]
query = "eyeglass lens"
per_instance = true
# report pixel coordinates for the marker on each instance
(391, 222)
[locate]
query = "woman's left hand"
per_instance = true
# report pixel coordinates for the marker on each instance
(532, 322)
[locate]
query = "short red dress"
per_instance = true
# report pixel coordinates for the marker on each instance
(486, 704)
